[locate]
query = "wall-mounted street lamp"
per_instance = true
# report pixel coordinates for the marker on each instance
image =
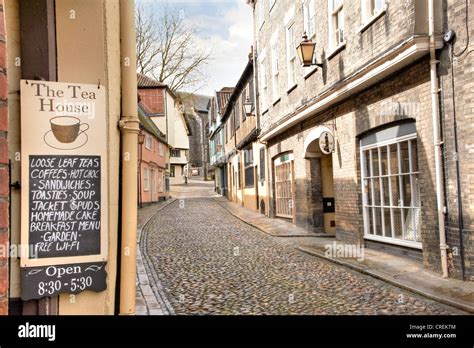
(248, 106)
(305, 52)
(141, 137)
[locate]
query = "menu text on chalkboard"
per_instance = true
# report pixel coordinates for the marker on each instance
(65, 210)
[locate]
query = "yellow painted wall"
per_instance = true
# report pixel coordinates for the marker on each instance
(88, 50)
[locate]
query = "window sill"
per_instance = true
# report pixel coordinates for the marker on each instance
(394, 241)
(310, 72)
(276, 101)
(336, 50)
(371, 21)
(291, 89)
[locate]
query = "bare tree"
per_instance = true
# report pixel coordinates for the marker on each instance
(167, 49)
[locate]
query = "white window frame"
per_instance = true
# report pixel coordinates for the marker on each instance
(263, 81)
(309, 18)
(271, 3)
(148, 142)
(275, 67)
(370, 178)
(146, 179)
(371, 10)
(260, 13)
(334, 43)
(291, 54)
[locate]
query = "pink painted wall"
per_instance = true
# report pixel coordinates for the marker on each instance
(153, 161)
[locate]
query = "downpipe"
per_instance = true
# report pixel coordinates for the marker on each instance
(129, 127)
(435, 90)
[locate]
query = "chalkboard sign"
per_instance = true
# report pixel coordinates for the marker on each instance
(64, 196)
(38, 282)
(64, 216)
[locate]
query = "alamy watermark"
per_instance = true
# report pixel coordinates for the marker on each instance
(411, 109)
(18, 250)
(344, 251)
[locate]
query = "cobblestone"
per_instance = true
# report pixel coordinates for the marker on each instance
(209, 262)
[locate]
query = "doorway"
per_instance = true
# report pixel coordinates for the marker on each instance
(284, 202)
(327, 188)
(323, 179)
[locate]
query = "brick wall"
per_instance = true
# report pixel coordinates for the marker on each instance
(350, 119)
(4, 178)
(399, 23)
(457, 98)
(153, 99)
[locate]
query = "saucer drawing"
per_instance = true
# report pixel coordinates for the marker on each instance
(51, 141)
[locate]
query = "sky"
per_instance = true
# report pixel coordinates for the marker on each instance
(226, 27)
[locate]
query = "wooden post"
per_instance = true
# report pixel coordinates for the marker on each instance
(38, 62)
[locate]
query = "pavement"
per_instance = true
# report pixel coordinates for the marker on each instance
(273, 227)
(149, 300)
(399, 271)
(201, 258)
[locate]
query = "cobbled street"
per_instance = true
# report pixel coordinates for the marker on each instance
(209, 262)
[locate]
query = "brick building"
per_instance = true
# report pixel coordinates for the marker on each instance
(350, 143)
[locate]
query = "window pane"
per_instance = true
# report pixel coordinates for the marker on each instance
(384, 160)
(406, 191)
(378, 222)
(417, 223)
(386, 192)
(387, 221)
(393, 159)
(368, 191)
(395, 191)
(414, 155)
(416, 193)
(404, 157)
(376, 191)
(375, 162)
(410, 225)
(379, 4)
(371, 220)
(366, 164)
(397, 223)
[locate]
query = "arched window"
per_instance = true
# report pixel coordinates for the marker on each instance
(390, 188)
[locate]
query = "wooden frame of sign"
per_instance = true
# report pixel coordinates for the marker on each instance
(64, 197)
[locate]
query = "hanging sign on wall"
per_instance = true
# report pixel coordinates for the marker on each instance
(64, 188)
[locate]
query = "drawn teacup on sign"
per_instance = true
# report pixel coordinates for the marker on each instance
(66, 133)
